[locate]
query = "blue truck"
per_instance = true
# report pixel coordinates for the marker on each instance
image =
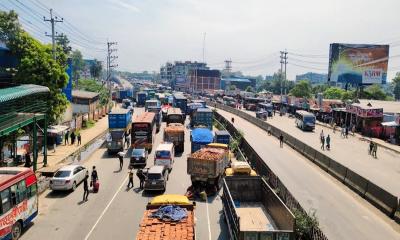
(202, 116)
(141, 99)
(200, 137)
(119, 124)
(222, 136)
(180, 101)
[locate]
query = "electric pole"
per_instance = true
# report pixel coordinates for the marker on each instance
(283, 61)
(110, 60)
(53, 21)
(228, 66)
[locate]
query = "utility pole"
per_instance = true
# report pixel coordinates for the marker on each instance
(110, 60)
(228, 66)
(280, 75)
(204, 46)
(283, 61)
(53, 21)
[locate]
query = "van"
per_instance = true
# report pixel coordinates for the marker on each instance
(164, 155)
(156, 179)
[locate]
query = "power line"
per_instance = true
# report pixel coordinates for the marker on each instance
(308, 67)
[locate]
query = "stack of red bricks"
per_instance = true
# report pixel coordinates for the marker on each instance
(155, 229)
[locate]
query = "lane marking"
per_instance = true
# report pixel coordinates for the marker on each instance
(105, 209)
(208, 221)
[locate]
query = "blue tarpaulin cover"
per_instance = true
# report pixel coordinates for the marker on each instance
(202, 135)
(170, 213)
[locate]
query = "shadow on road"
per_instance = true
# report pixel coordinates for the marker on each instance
(224, 234)
(151, 194)
(57, 194)
(27, 227)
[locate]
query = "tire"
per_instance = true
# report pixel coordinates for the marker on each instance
(73, 186)
(16, 231)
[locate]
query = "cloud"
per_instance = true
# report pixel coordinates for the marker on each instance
(124, 5)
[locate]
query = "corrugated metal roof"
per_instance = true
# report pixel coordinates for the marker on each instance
(84, 94)
(8, 94)
(236, 80)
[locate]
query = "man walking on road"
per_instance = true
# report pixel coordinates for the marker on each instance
(66, 136)
(141, 177)
(72, 138)
(121, 159)
(85, 187)
(374, 150)
(371, 147)
(346, 131)
(79, 138)
(323, 142)
(328, 142)
(281, 140)
(130, 177)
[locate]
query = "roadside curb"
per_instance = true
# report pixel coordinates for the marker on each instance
(363, 138)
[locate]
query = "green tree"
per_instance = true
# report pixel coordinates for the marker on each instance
(95, 69)
(77, 64)
(396, 86)
(301, 89)
(232, 87)
(36, 64)
(375, 92)
(348, 95)
(319, 88)
(334, 93)
(92, 85)
(249, 89)
(63, 42)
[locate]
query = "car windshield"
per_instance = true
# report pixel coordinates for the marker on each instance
(137, 152)
(163, 154)
(154, 176)
(62, 174)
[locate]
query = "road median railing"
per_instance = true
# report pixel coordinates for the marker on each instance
(262, 169)
(377, 196)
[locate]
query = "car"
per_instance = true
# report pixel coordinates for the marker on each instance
(68, 177)
(156, 179)
(138, 158)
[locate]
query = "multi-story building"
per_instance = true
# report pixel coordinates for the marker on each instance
(177, 73)
(202, 80)
(314, 78)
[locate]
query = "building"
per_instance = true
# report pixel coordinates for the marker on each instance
(239, 83)
(177, 73)
(201, 81)
(313, 78)
(86, 103)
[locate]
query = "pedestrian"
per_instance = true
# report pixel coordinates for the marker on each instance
(141, 177)
(79, 139)
(334, 127)
(281, 140)
(353, 129)
(269, 130)
(66, 136)
(328, 142)
(371, 147)
(323, 143)
(342, 134)
(130, 177)
(72, 137)
(374, 150)
(127, 140)
(346, 131)
(27, 159)
(121, 159)
(233, 120)
(95, 176)
(85, 187)
(321, 135)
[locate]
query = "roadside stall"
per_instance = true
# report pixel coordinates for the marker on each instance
(366, 118)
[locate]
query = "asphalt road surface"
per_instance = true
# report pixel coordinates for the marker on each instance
(342, 214)
(383, 170)
(115, 212)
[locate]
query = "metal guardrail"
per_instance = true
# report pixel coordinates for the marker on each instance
(377, 196)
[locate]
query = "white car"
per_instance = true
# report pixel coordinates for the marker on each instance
(68, 177)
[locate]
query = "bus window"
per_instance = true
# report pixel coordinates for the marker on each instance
(32, 190)
(21, 191)
(5, 200)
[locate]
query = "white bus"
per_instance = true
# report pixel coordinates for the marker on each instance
(305, 120)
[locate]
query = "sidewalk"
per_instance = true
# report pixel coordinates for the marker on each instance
(63, 151)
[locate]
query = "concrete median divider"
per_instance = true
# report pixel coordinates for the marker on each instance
(309, 152)
(337, 170)
(300, 146)
(397, 213)
(321, 160)
(356, 182)
(381, 199)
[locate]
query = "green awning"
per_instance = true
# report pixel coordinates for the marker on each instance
(8, 94)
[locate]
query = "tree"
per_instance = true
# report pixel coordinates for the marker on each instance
(374, 92)
(92, 85)
(36, 63)
(249, 89)
(334, 93)
(396, 86)
(348, 95)
(232, 87)
(95, 69)
(301, 89)
(77, 64)
(319, 88)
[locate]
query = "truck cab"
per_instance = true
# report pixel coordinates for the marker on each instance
(164, 155)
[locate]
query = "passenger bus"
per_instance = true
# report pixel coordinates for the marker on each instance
(157, 111)
(19, 200)
(305, 120)
(267, 107)
(174, 115)
(250, 103)
(144, 131)
(229, 101)
(151, 103)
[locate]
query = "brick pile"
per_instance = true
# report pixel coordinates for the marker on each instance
(155, 229)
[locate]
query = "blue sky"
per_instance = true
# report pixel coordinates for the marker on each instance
(251, 32)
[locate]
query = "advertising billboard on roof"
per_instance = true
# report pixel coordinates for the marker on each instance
(358, 64)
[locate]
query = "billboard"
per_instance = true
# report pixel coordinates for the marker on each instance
(358, 64)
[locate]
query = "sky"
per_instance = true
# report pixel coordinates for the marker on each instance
(249, 32)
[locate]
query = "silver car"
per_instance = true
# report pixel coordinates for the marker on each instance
(156, 179)
(68, 177)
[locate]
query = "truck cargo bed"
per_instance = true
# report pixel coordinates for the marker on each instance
(254, 217)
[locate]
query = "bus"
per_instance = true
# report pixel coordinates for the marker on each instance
(250, 103)
(157, 111)
(19, 200)
(267, 107)
(174, 115)
(305, 120)
(144, 131)
(151, 103)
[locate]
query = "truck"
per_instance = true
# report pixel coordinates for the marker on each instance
(206, 166)
(157, 224)
(175, 133)
(119, 124)
(200, 137)
(141, 99)
(252, 210)
(222, 136)
(174, 115)
(180, 101)
(202, 117)
(157, 111)
(151, 103)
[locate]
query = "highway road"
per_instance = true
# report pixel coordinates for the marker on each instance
(115, 212)
(383, 170)
(342, 214)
